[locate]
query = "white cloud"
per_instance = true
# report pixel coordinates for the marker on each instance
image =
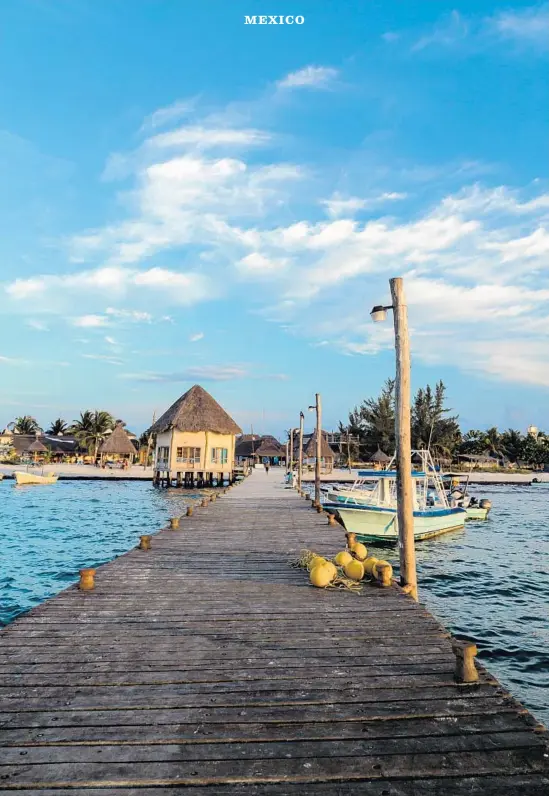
(111, 341)
(169, 114)
(204, 138)
(56, 292)
(529, 25)
(194, 338)
(309, 77)
(205, 373)
(90, 321)
(257, 265)
(338, 206)
(448, 32)
(103, 358)
(136, 316)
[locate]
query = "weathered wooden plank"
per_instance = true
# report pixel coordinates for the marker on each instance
(526, 785)
(287, 769)
(251, 714)
(386, 727)
(271, 750)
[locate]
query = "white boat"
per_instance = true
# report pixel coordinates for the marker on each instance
(537, 482)
(457, 494)
(375, 519)
(23, 478)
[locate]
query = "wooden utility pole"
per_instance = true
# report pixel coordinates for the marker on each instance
(405, 508)
(292, 453)
(349, 459)
(287, 463)
(318, 406)
(300, 452)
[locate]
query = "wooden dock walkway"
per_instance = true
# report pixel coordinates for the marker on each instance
(208, 666)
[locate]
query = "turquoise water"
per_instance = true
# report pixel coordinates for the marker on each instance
(488, 583)
(48, 533)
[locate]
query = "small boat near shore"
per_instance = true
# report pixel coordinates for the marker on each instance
(375, 517)
(24, 479)
(537, 482)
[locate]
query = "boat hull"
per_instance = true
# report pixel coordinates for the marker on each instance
(24, 479)
(476, 513)
(372, 523)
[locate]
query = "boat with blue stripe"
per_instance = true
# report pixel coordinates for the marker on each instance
(372, 513)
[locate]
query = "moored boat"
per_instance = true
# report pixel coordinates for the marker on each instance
(375, 517)
(537, 482)
(457, 496)
(22, 478)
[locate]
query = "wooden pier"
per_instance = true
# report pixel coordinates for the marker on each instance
(208, 666)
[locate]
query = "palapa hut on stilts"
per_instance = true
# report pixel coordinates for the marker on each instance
(195, 442)
(118, 446)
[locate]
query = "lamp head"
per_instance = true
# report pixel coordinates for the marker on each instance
(378, 313)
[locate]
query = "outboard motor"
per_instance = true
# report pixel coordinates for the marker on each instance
(485, 504)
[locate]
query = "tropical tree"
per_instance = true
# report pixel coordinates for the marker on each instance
(373, 422)
(512, 444)
(58, 426)
(473, 443)
(26, 425)
(91, 429)
(430, 427)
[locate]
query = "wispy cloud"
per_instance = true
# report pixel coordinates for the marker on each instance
(110, 360)
(527, 27)
(194, 338)
(338, 205)
(38, 326)
(169, 114)
(204, 138)
(90, 321)
(205, 373)
(319, 77)
(448, 32)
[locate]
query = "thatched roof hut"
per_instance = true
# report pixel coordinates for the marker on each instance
(271, 448)
(380, 457)
(118, 443)
(309, 449)
(196, 410)
(37, 447)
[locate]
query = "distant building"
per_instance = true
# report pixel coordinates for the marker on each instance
(252, 448)
(195, 441)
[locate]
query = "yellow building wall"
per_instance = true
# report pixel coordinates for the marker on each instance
(205, 440)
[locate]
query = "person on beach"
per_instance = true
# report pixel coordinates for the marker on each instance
(266, 465)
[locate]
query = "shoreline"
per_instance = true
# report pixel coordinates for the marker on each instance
(85, 472)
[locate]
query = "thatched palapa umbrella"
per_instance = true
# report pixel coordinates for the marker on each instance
(37, 447)
(118, 444)
(379, 457)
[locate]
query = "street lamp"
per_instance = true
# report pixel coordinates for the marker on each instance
(379, 313)
(405, 508)
(318, 408)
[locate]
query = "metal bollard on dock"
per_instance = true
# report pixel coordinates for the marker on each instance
(465, 651)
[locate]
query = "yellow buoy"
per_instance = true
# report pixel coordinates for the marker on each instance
(321, 576)
(343, 558)
(354, 570)
(359, 551)
(315, 562)
(332, 569)
(375, 566)
(368, 564)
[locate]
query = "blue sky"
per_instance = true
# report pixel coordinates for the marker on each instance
(189, 199)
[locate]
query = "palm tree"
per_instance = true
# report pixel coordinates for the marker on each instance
(58, 427)
(92, 428)
(26, 425)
